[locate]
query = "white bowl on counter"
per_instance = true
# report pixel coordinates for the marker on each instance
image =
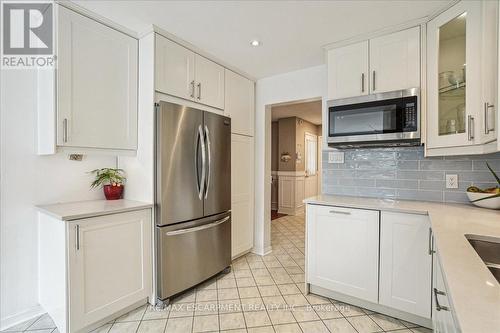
(493, 203)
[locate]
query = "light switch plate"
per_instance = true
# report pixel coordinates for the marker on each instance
(451, 181)
(336, 157)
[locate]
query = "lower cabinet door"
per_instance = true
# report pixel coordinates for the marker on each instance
(442, 316)
(110, 266)
(405, 263)
(343, 250)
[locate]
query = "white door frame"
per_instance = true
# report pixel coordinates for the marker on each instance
(308, 84)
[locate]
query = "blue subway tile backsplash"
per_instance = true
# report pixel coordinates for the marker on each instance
(404, 173)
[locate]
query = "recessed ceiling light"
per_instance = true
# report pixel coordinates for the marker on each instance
(255, 43)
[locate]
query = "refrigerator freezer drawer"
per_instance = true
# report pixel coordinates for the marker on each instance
(191, 252)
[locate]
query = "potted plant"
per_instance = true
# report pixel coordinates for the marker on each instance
(487, 198)
(111, 180)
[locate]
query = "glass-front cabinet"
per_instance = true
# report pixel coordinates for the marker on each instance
(461, 62)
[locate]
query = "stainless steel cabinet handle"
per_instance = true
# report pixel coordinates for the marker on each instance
(439, 307)
(207, 137)
(192, 89)
(431, 249)
(199, 90)
(201, 141)
(202, 227)
(77, 231)
(339, 212)
(470, 120)
(65, 130)
(487, 128)
(362, 82)
(374, 80)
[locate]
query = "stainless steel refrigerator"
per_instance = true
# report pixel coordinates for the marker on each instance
(193, 197)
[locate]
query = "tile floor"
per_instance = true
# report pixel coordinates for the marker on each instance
(260, 295)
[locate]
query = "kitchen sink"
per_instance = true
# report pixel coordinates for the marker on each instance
(488, 248)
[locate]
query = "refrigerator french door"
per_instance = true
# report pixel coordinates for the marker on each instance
(193, 197)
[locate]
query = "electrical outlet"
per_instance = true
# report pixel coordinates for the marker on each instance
(451, 181)
(336, 157)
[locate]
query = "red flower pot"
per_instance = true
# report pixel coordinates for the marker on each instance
(113, 192)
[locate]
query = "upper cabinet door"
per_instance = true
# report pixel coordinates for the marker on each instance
(348, 71)
(240, 103)
(209, 82)
(489, 64)
(174, 69)
(395, 61)
(454, 76)
(96, 84)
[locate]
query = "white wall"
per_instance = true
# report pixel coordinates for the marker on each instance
(27, 179)
(303, 84)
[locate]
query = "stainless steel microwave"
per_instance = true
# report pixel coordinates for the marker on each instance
(385, 119)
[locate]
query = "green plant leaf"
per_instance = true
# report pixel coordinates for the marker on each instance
(493, 172)
(106, 176)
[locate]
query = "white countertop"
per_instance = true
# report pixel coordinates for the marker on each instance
(474, 292)
(84, 209)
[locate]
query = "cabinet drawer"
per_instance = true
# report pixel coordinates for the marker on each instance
(346, 212)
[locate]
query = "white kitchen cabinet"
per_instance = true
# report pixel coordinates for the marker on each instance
(348, 71)
(443, 319)
(174, 74)
(462, 62)
(395, 61)
(242, 194)
(182, 73)
(405, 263)
(106, 270)
(240, 103)
(386, 63)
(209, 78)
(343, 250)
(96, 84)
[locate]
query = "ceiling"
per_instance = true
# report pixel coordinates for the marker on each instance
(310, 111)
(292, 32)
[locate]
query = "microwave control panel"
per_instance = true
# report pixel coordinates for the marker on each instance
(410, 117)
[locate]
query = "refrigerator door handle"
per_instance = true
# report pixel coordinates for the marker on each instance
(203, 227)
(200, 141)
(209, 170)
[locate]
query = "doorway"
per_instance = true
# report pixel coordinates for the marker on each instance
(296, 129)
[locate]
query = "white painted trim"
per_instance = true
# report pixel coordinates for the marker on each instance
(95, 151)
(20, 317)
(371, 306)
(96, 17)
(291, 173)
(263, 252)
(195, 49)
(173, 99)
(388, 30)
(463, 150)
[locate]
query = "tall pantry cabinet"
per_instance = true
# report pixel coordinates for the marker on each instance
(240, 106)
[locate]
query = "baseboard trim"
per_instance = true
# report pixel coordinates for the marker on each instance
(264, 251)
(291, 211)
(426, 322)
(20, 317)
